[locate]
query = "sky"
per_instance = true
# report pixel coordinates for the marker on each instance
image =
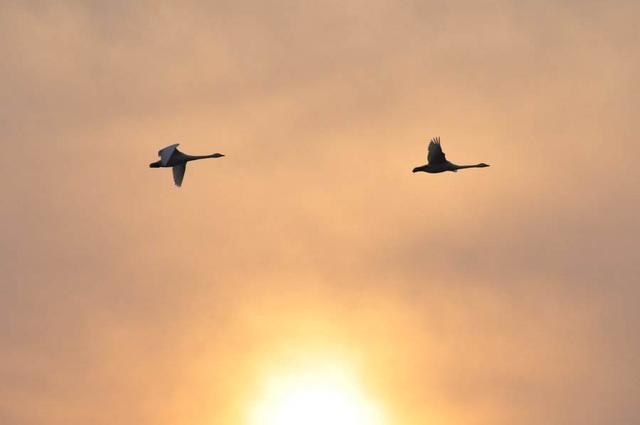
(493, 296)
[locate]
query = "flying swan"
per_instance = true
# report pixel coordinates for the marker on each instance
(437, 162)
(172, 157)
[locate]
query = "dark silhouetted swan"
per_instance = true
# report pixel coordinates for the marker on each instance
(437, 163)
(172, 157)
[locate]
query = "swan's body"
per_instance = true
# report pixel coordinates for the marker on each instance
(437, 162)
(172, 157)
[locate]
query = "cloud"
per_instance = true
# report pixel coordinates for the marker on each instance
(493, 296)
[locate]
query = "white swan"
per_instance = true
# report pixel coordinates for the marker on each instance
(172, 157)
(437, 162)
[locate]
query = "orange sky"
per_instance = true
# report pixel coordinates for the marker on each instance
(496, 296)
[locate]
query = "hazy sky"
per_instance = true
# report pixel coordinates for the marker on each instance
(495, 296)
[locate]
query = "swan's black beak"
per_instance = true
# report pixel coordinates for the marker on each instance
(155, 164)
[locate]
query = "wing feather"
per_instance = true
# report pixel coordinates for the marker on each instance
(435, 155)
(178, 173)
(166, 153)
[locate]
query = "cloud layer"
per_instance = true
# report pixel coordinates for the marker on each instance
(490, 297)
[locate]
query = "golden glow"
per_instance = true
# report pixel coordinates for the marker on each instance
(318, 396)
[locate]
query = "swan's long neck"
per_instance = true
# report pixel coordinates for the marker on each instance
(481, 165)
(196, 157)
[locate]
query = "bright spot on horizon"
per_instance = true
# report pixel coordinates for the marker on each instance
(319, 396)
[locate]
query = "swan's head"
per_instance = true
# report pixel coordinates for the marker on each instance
(217, 155)
(482, 165)
(155, 164)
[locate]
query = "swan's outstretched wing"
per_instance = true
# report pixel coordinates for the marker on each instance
(167, 153)
(178, 173)
(435, 155)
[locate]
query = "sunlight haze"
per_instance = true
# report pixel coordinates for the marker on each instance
(309, 277)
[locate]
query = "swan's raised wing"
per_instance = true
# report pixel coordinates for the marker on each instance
(167, 153)
(435, 155)
(178, 173)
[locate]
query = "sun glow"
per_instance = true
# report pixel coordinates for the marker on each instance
(321, 396)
